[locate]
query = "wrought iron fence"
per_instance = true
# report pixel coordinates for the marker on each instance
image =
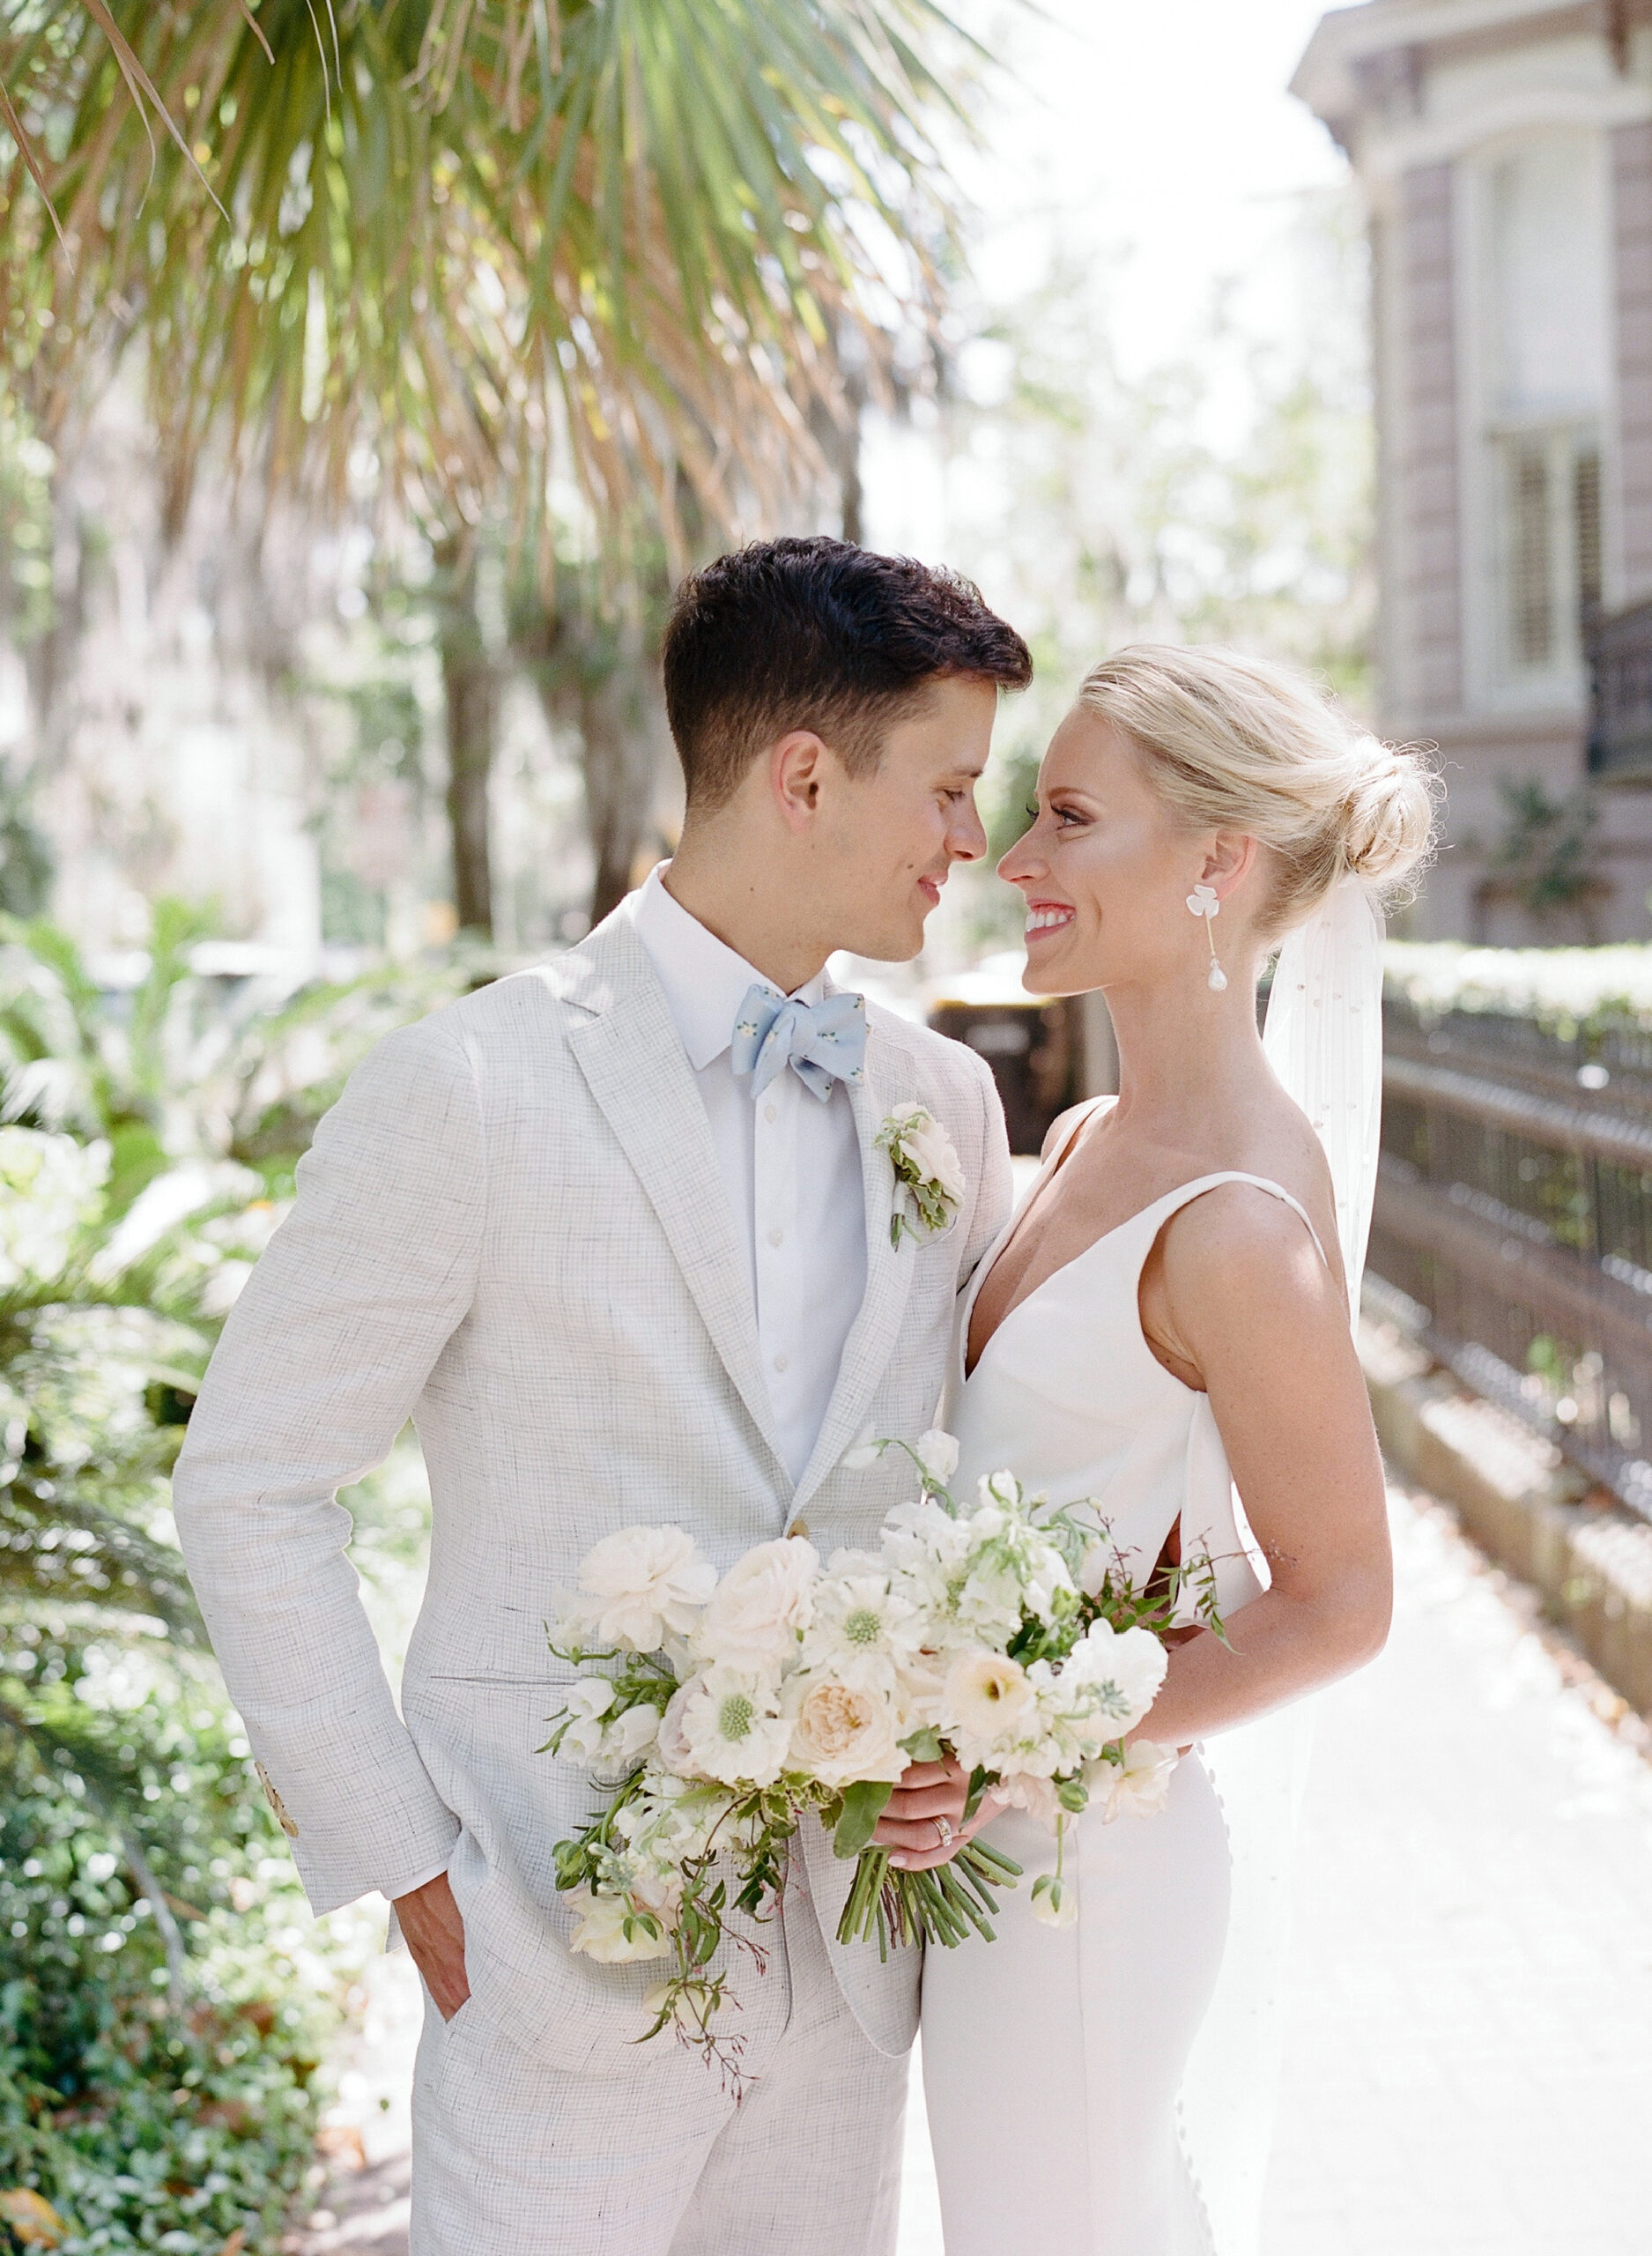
(1513, 1229)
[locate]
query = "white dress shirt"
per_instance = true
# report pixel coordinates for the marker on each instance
(791, 1162)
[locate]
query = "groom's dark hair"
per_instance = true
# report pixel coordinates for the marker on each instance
(817, 635)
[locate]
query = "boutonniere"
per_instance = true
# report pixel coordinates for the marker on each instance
(929, 1180)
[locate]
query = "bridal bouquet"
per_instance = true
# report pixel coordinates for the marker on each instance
(719, 1713)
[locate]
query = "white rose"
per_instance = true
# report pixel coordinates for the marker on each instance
(937, 1453)
(986, 1696)
(1138, 1787)
(762, 1605)
(601, 1934)
(1124, 1668)
(732, 1726)
(841, 1732)
(642, 1584)
(928, 1149)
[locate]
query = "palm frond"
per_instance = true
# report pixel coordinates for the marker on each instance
(478, 244)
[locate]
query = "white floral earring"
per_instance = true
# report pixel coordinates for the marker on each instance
(1202, 901)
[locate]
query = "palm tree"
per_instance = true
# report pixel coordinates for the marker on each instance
(552, 269)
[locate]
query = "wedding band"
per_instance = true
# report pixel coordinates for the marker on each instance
(943, 1832)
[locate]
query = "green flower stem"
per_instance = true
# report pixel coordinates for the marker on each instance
(943, 1905)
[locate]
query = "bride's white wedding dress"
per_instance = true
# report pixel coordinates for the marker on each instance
(1106, 2090)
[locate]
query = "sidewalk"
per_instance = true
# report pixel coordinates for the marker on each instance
(1468, 2058)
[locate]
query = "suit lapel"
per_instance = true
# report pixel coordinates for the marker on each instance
(889, 1272)
(635, 1069)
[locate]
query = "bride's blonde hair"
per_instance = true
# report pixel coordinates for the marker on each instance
(1236, 743)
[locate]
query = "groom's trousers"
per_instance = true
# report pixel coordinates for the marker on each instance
(515, 2158)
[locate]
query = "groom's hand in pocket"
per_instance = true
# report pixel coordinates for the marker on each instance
(435, 1934)
(924, 1823)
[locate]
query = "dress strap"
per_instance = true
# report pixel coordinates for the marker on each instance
(1185, 1194)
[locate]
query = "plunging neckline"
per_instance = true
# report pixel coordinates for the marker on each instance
(1051, 1167)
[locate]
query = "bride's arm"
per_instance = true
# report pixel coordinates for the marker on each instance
(1240, 1295)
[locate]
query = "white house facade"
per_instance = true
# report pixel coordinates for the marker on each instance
(1504, 149)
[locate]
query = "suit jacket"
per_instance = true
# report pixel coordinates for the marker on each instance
(511, 1228)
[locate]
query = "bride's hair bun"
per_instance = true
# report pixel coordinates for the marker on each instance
(1236, 743)
(1389, 814)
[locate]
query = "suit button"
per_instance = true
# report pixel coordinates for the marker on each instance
(800, 1529)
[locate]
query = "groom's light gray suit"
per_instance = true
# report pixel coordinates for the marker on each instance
(511, 1228)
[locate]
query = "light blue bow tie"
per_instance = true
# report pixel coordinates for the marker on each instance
(821, 1042)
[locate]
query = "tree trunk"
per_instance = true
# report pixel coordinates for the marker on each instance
(601, 676)
(617, 752)
(470, 681)
(840, 441)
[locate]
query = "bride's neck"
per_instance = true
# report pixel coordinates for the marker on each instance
(1187, 1062)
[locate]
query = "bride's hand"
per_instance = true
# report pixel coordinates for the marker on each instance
(924, 1823)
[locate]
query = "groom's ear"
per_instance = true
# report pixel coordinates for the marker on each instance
(798, 764)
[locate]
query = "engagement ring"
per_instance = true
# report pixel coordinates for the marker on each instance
(944, 1831)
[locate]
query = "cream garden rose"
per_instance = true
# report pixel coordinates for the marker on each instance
(842, 1732)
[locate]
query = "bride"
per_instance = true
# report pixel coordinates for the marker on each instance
(1166, 1321)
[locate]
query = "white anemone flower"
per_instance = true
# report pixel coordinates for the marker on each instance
(732, 1727)
(863, 1631)
(1123, 1670)
(640, 1584)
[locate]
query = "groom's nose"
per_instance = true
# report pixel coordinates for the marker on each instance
(967, 835)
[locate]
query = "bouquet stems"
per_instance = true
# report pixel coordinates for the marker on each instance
(944, 1904)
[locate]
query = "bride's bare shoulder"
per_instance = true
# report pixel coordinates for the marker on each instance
(1066, 1124)
(1235, 1226)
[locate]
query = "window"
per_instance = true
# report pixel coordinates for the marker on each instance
(1540, 359)
(1551, 545)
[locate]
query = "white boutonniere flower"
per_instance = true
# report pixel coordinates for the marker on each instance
(929, 1180)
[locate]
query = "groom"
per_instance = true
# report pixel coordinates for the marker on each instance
(615, 1233)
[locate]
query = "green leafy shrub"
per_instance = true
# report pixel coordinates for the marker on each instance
(156, 2073)
(164, 1999)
